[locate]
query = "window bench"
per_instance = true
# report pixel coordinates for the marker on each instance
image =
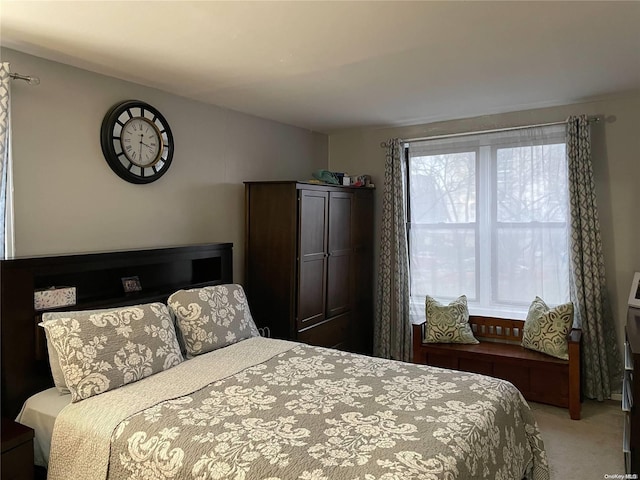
(540, 378)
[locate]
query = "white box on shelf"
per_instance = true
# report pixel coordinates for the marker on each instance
(54, 297)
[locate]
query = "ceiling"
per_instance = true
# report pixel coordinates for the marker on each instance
(332, 65)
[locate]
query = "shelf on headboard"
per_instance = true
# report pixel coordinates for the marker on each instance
(98, 281)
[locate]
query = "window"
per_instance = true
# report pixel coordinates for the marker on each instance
(488, 218)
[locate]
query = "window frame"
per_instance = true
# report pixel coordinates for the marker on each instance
(486, 218)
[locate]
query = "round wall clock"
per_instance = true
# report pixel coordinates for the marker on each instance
(136, 141)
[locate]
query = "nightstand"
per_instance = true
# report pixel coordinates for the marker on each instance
(17, 451)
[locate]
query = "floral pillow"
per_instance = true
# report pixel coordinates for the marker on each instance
(448, 323)
(99, 350)
(545, 329)
(209, 318)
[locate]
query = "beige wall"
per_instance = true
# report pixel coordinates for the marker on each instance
(616, 158)
(67, 199)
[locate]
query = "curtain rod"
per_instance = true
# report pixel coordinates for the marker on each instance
(27, 78)
(495, 130)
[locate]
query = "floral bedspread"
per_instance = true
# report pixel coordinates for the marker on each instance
(319, 414)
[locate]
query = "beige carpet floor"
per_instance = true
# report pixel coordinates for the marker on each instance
(585, 449)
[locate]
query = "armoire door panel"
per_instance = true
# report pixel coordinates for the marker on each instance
(311, 298)
(332, 333)
(312, 251)
(340, 250)
(340, 222)
(338, 294)
(313, 223)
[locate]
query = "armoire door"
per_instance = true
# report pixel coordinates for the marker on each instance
(312, 257)
(339, 251)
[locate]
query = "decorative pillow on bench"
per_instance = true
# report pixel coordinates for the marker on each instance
(448, 323)
(545, 329)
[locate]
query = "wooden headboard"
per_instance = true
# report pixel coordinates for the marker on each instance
(97, 278)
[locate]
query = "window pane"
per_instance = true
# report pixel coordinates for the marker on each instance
(532, 184)
(530, 262)
(443, 188)
(488, 217)
(443, 262)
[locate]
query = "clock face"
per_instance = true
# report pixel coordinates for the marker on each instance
(136, 141)
(141, 142)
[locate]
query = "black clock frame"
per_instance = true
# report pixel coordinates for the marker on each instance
(112, 156)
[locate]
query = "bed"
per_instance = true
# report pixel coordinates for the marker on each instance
(272, 409)
(208, 398)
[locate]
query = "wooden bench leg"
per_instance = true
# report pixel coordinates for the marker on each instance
(574, 376)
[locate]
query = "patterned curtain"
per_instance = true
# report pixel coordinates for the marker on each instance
(5, 149)
(601, 364)
(392, 327)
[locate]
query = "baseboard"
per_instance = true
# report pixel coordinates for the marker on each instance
(616, 396)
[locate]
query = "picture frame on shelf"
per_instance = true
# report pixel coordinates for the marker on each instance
(131, 284)
(634, 294)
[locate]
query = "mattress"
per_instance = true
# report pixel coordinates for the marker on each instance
(265, 408)
(39, 412)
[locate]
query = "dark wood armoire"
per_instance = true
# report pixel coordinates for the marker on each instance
(309, 262)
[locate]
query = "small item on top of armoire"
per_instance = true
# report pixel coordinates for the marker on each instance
(360, 180)
(326, 176)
